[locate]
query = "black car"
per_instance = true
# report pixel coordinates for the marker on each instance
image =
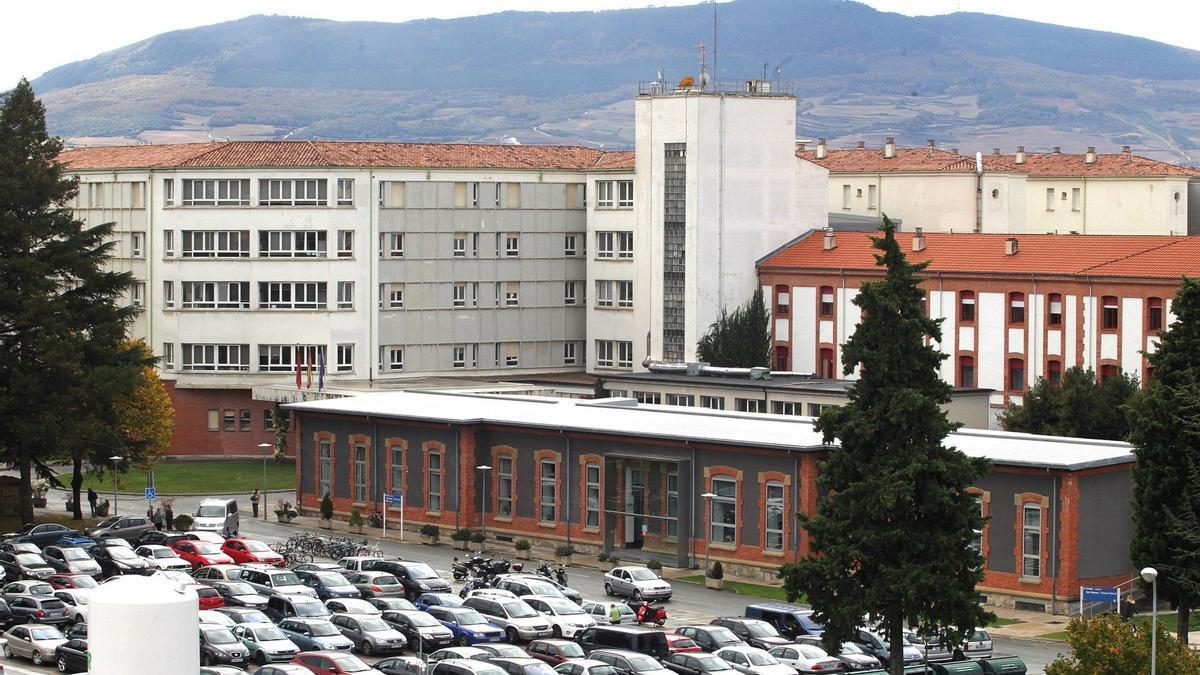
(329, 584)
(25, 566)
(754, 632)
(6, 615)
(71, 656)
(417, 577)
(71, 560)
(698, 663)
(710, 638)
(423, 632)
(43, 534)
(116, 560)
(219, 646)
(239, 594)
(160, 538)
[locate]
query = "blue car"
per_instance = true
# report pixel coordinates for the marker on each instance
(427, 600)
(469, 626)
(315, 635)
(329, 585)
(79, 542)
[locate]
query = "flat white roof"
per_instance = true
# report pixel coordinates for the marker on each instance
(627, 417)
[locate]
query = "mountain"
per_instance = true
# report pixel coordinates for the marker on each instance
(969, 80)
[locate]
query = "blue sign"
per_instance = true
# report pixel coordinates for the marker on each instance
(1091, 594)
(151, 493)
(393, 498)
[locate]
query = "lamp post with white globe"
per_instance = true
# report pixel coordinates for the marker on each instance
(1150, 576)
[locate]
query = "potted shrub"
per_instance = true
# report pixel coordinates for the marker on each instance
(71, 505)
(101, 508)
(40, 489)
(461, 538)
(478, 538)
(563, 553)
(183, 522)
(602, 558)
(356, 521)
(326, 512)
(523, 546)
(429, 534)
(655, 567)
(715, 578)
(285, 512)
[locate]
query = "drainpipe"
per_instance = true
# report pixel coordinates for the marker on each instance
(458, 506)
(372, 291)
(375, 492)
(692, 501)
(568, 485)
(1054, 543)
(151, 282)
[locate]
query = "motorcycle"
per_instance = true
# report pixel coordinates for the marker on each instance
(468, 567)
(472, 584)
(375, 519)
(649, 614)
(555, 572)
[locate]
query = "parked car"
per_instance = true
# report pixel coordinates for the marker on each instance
(25, 566)
(602, 611)
(200, 554)
(931, 648)
(6, 615)
(754, 632)
(269, 581)
(523, 666)
(39, 609)
(401, 665)
(806, 658)
(162, 557)
(639, 583)
(384, 604)
(427, 600)
(566, 618)
(217, 515)
(162, 538)
(852, 656)
(76, 632)
(358, 563)
(76, 601)
(315, 634)
(239, 594)
(711, 638)
(16, 589)
(118, 560)
(554, 652)
(468, 626)
(518, 620)
(641, 639)
(320, 567)
(876, 646)
(531, 584)
(218, 573)
(71, 560)
(31, 641)
(789, 619)
(265, 642)
(463, 667)
(329, 585)
(626, 662)
(503, 650)
(216, 618)
(352, 606)
(753, 661)
(72, 656)
(125, 527)
(10, 546)
(81, 581)
(417, 577)
(334, 663)
(698, 664)
(245, 615)
(43, 534)
(465, 653)
(219, 646)
(584, 667)
(207, 596)
(978, 645)
(370, 634)
(283, 669)
(678, 644)
(423, 632)
(251, 551)
(231, 670)
(282, 606)
(380, 584)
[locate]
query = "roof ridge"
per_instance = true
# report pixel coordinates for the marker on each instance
(216, 145)
(1170, 243)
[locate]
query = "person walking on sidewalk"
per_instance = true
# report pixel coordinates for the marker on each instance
(254, 502)
(157, 519)
(1128, 609)
(169, 516)
(92, 498)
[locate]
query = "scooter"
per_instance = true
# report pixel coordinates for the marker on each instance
(472, 584)
(557, 573)
(647, 613)
(468, 567)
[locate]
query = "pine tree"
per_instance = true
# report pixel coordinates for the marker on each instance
(1078, 406)
(741, 339)
(891, 541)
(1165, 421)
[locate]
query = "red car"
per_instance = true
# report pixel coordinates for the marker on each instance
(201, 553)
(70, 581)
(332, 663)
(251, 551)
(209, 597)
(677, 644)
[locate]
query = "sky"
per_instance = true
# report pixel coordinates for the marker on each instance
(38, 36)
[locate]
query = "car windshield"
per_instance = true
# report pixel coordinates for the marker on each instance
(269, 633)
(310, 609)
(41, 589)
(851, 648)
(163, 553)
(761, 630)
(722, 635)
(108, 522)
(253, 616)
(470, 618)
(642, 575)
(570, 650)
(219, 636)
(811, 627)
(256, 546)
(421, 571)
(563, 607)
(539, 669)
(759, 658)
(285, 579)
(542, 588)
(602, 670)
(323, 630)
(385, 580)
(422, 620)
(211, 511)
(518, 610)
(332, 579)
(240, 588)
(74, 554)
(81, 599)
(30, 559)
(643, 663)
(46, 633)
(811, 652)
(351, 664)
(84, 582)
(119, 553)
(713, 664)
(373, 624)
(204, 548)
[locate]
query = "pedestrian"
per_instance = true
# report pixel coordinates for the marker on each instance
(150, 511)
(92, 497)
(156, 518)
(614, 614)
(254, 502)
(169, 516)
(1128, 609)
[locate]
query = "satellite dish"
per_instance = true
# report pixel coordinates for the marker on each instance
(703, 79)
(659, 76)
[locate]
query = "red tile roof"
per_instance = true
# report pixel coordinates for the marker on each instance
(1051, 164)
(906, 160)
(348, 154)
(1146, 256)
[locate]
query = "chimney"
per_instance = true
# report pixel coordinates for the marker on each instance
(1019, 158)
(889, 147)
(801, 145)
(1056, 150)
(821, 151)
(830, 240)
(954, 151)
(862, 144)
(931, 143)
(996, 152)
(918, 242)
(1090, 157)
(1010, 246)
(1127, 152)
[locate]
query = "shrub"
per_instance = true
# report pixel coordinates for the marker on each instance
(716, 571)
(603, 557)
(522, 545)
(614, 560)
(654, 565)
(430, 530)
(327, 507)
(182, 522)
(1106, 645)
(564, 550)
(478, 538)
(461, 534)
(283, 508)
(356, 519)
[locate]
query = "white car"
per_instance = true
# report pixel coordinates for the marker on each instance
(352, 606)
(210, 537)
(639, 583)
(584, 667)
(807, 658)
(601, 611)
(497, 593)
(566, 618)
(213, 617)
(76, 600)
(162, 557)
(754, 661)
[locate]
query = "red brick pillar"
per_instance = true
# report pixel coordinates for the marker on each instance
(468, 476)
(1067, 578)
(808, 496)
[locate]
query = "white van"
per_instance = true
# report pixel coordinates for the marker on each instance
(217, 515)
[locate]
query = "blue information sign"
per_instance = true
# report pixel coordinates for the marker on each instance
(392, 498)
(151, 493)
(1094, 594)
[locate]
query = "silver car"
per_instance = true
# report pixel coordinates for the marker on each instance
(33, 642)
(754, 661)
(978, 645)
(370, 634)
(629, 662)
(639, 583)
(566, 618)
(265, 642)
(163, 558)
(518, 620)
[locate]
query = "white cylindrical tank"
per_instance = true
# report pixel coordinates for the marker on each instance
(145, 625)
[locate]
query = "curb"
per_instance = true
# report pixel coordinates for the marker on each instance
(161, 495)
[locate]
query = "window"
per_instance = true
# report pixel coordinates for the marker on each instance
(569, 245)
(214, 420)
(169, 191)
(168, 356)
(825, 363)
(625, 294)
(345, 243)
(1016, 308)
(549, 491)
(512, 245)
(197, 357)
(672, 505)
(872, 196)
(360, 472)
(624, 244)
(137, 294)
(216, 244)
(782, 299)
(285, 358)
(815, 409)
(137, 244)
(966, 306)
(751, 405)
(712, 402)
(781, 357)
(648, 397)
(1031, 541)
(1154, 314)
(326, 468)
(604, 194)
(345, 295)
(786, 408)
(168, 243)
(723, 517)
(1049, 199)
(826, 308)
(289, 244)
(568, 353)
(966, 371)
(1054, 372)
(345, 192)
(292, 295)
(345, 358)
(977, 541)
(846, 197)
(392, 245)
(245, 419)
(211, 192)
(395, 358)
(433, 470)
(391, 296)
(504, 486)
(512, 353)
(397, 454)
(604, 294)
(774, 516)
(685, 400)
(458, 356)
(1075, 200)
(292, 192)
(1054, 311)
(1016, 375)
(625, 194)
(1109, 370)
(569, 295)
(268, 421)
(591, 512)
(512, 293)
(1109, 316)
(229, 420)
(458, 247)
(215, 295)
(459, 295)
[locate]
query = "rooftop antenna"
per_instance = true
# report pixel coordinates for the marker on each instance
(778, 72)
(703, 65)
(716, 73)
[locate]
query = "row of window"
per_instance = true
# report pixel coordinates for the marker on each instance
(231, 419)
(271, 192)
(850, 194)
(614, 245)
(508, 294)
(1016, 375)
(271, 295)
(464, 195)
(751, 405)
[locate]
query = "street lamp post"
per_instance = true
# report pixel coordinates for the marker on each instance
(708, 497)
(262, 500)
(114, 459)
(1150, 576)
(485, 469)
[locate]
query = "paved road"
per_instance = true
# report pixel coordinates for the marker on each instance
(691, 603)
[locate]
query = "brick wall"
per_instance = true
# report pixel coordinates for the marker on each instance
(192, 433)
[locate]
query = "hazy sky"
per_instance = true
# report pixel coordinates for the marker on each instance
(37, 36)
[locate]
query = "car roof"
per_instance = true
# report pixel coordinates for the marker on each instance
(587, 662)
(617, 652)
(519, 660)
(740, 648)
(781, 606)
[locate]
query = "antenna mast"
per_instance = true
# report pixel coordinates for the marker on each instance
(716, 73)
(703, 51)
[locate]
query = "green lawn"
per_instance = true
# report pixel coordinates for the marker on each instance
(1170, 621)
(743, 588)
(216, 476)
(1057, 635)
(1001, 621)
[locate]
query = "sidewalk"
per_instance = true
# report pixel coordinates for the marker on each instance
(1032, 624)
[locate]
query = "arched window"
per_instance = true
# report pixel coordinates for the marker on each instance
(1054, 372)
(826, 364)
(966, 371)
(1016, 308)
(826, 305)
(966, 306)
(781, 357)
(1154, 314)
